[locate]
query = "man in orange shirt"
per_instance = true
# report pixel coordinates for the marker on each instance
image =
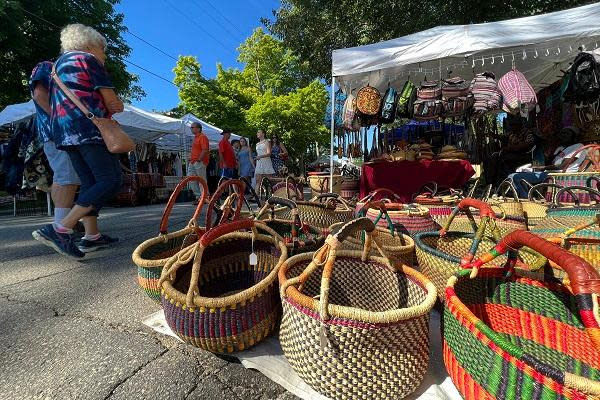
(199, 158)
(227, 160)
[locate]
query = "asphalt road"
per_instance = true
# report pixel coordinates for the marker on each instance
(72, 329)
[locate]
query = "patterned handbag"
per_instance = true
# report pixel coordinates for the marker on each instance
(368, 101)
(429, 90)
(427, 109)
(511, 337)
(409, 219)
(517, 94)
(455, 87)
(355, 326)
(212, 295)
(485, 91)
(350, 119)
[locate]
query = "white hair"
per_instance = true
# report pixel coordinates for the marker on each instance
(79, 37)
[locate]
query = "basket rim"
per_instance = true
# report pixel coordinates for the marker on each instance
(355, 313)
(248, 294)
(136, 256)
(458, 309)
(313, 228)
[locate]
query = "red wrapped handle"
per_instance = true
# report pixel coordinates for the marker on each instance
(164, 221)
(241, 188)
(583, 277)
(224, 229)
(485, 210)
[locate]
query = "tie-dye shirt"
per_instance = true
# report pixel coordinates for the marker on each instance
(41, 74)
(84, 75)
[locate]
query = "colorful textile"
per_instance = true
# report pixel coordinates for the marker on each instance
(405, 178)
(41, 74)
(84, 75)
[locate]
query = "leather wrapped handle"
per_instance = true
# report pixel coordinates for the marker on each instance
(379, 191)
(588, 182)
(573, 195)
(220, 230)
(274, 201)
(164, 221)
(424, 189)
(328, 196)
(241, 188)
(509, 185)
(536, 189)
(485, 210)
(357, 225)
(583, 277)
(298, 190)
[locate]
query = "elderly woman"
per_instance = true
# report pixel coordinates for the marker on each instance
(81, 68)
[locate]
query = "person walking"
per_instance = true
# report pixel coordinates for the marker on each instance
(81, 69)
(264, 166)
(65, 180)
(199, 158)
(227, 159)
(245, 160)
(278, 156)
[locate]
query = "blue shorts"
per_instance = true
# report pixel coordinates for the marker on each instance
(228, 173)
(62, 168)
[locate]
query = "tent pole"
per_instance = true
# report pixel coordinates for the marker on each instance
(332, 129)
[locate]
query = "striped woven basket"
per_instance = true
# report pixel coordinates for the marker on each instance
(151, 255)
(410, 219)
(214, 298)
(354, 326)
(441, 254)
(439, 201)
(581, 178)
(319, 184)
(518, 338)
(289, 188)
(321, 211)
(299, 237)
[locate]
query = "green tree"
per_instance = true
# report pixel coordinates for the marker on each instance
(26, 40)
(313, 29)
(296, 117)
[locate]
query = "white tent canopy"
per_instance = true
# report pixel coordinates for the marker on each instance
(16, 113)
(542, 45)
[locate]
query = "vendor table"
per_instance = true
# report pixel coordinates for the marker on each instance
(405, 178)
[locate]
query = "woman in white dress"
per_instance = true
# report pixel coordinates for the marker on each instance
(264, 166)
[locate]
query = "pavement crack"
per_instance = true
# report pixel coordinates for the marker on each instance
(39, 277)
(55, 311)
(133, 373)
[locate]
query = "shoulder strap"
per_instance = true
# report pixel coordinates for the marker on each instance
(70, 94)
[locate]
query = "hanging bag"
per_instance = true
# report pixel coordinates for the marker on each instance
(486, 95)
(115, 139)
(355, 326)
(517, 94)
(368, 101)
(507, 336)
(406, 99)
(388, 106)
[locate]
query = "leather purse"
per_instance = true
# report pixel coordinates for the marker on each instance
(115, 139)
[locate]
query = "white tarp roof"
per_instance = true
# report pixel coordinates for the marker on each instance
(16, 113)
(556, 36)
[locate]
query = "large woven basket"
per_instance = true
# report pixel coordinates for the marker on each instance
(320, 184)
(518, 338)
(289, 188)
(441, 254)
(321, 211)
(151, 255)
(406, 218)
(438, 200)
(355, 326)
(299, 237)
(214, 298)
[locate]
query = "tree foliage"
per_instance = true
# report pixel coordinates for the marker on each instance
(272, 92)
(313, 29)
(26, 40)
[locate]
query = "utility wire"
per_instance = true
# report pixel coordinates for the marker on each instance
(199, 26)
(205, 12)
(225, 18)
(150, 44)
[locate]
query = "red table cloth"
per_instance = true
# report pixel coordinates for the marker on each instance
(405, 178)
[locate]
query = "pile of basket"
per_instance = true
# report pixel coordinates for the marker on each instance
(352, 313)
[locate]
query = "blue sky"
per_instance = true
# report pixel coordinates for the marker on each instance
(186, 27)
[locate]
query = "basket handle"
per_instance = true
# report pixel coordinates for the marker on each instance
(164, 221)
(275, 201)
(510, 186)
(333, 196)
(430, 188)
(570, 189)
(379, 191)
(535, 190)
(291, 181)
(583, 279)
(592, 156)
(381, 205)
(588, 182)
(241, 188)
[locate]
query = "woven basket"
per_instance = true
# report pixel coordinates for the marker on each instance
(441, 254)
(350, 188)
(219, 212)
(321, 211)
(289, 189)
(406, 218)
(582, 178)
(400, 248)
(439, 201)
(213, 298)
(299, 237)
(509, 338)
(319, 184)
(151, 255)
(354, 326)
(377, 194)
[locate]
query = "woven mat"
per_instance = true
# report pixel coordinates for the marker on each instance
(267, 358)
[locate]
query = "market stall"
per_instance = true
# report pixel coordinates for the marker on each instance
(455, 75)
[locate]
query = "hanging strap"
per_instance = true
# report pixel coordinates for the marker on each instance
(70, 94)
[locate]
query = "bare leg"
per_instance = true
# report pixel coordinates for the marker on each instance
(77, 212)
(91, 225)
(63, 195)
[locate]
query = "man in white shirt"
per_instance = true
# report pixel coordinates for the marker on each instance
(564, 155)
